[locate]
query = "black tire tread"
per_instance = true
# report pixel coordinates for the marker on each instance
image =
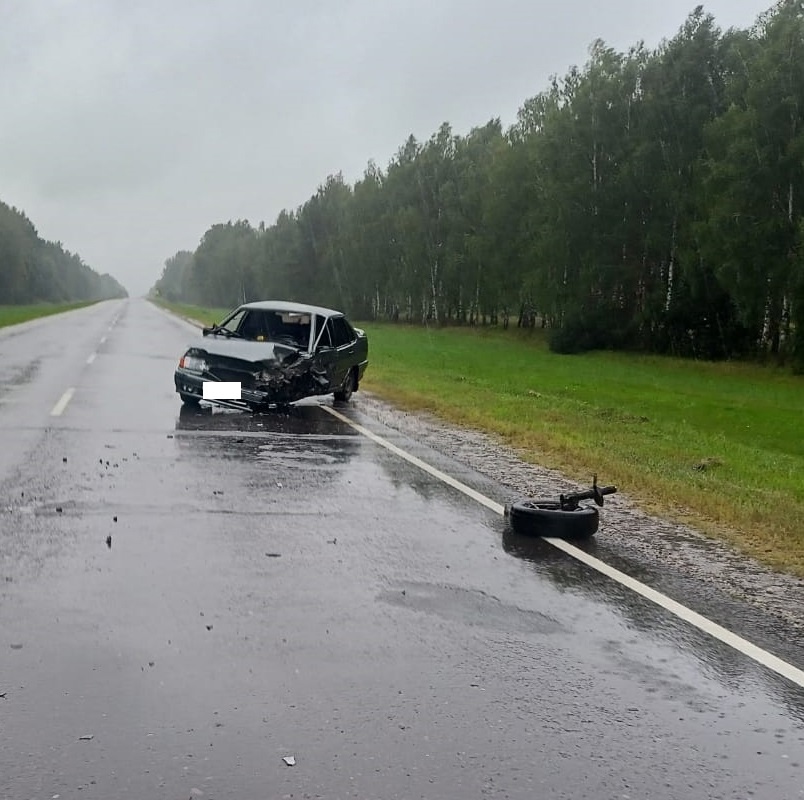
(538, 517)
(344, 394)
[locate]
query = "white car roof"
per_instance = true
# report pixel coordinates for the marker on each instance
(285, 305)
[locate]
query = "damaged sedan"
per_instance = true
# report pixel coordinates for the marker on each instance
(278, 352)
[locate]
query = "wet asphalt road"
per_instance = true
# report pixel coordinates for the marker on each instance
(278, 585)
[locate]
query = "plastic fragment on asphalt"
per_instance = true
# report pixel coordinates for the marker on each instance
(290, 760)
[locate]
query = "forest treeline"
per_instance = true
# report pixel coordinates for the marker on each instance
(33, 270)
(652, 200)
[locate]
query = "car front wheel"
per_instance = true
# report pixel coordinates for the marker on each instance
(189, 399)
(344, 394)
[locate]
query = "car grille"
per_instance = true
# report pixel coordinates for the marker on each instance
(231, 370)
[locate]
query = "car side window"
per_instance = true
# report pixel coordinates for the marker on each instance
(326, 333)
(342, 332)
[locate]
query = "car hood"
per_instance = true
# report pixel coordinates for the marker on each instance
(245, 350)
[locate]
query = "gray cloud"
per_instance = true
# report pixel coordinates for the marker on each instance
(129, 128)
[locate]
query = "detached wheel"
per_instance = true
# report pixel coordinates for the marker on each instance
(189, 399)
(547, 518)
(344, 394)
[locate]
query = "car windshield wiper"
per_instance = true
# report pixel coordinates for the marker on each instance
(226, 332)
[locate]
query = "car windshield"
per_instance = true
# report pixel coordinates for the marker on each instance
(230, 326)
(284, 327)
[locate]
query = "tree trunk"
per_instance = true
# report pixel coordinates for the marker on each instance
(671, 266)
(433, 291)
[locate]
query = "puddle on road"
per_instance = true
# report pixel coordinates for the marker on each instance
(300, 419)
(283, 438)
(471, 607)
(15, 378)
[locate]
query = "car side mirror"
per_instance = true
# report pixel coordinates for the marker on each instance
(206, 331)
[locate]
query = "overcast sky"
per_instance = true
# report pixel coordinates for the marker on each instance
(128, 128)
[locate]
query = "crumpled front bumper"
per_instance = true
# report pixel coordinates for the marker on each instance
(192, 384)
(283, 385)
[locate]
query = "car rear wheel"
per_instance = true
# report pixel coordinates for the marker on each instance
(189, 399)
(344, 394)
(547, 518)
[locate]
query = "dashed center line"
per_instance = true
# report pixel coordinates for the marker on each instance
(58, 409)
(91, 358)
(103, 340)
(772, 662)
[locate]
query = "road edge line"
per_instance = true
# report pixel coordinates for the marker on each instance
(724, 635)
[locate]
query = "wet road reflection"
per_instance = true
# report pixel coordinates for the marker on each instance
(717, 659)
(300, 419)
(301, 445)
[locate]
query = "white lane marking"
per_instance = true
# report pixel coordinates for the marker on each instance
(58, 409)
(714, 630)
(91, 358)
(688, 615)
(103, 340)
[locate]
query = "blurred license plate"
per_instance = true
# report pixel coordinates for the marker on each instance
(221, 390)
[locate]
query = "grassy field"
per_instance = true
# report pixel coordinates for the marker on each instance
(718, 446)
(206, 315)
(13, 315)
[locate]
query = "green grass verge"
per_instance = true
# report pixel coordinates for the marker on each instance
(716, 445)
(207, 316)
(13, 315)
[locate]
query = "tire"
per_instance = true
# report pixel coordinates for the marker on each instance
(547, 518)
(344, 394)
(189, 399)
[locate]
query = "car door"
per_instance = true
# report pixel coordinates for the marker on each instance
(343, 339)
(326, 356)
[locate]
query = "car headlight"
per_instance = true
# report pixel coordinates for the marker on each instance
(193, 363)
